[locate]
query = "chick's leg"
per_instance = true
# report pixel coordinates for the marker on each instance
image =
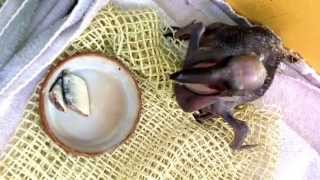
(197, 31)
(241, 131)
(204, 114)
(186, 31)
(201, 117)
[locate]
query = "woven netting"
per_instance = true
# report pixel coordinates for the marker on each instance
(168, 143)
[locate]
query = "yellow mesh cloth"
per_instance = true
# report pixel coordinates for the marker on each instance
(168, 143)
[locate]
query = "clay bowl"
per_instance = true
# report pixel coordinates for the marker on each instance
(114, 104)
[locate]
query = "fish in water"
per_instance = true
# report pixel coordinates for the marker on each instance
(70, 91)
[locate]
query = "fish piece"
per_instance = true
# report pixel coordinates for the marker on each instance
(56, 97)
(75, 93)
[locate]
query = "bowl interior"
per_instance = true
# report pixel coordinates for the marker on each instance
(114, 106)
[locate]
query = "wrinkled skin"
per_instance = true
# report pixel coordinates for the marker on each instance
(205, 85)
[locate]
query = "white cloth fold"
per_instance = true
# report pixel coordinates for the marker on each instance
(7, 11)
(16, 31)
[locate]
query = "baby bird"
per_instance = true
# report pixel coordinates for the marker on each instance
(226, 66)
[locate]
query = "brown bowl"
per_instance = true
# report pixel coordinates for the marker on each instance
(115, 105)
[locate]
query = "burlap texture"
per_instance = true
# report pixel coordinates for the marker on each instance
(168, 143)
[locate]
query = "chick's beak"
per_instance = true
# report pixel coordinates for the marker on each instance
(192, 76)
(197, 76)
